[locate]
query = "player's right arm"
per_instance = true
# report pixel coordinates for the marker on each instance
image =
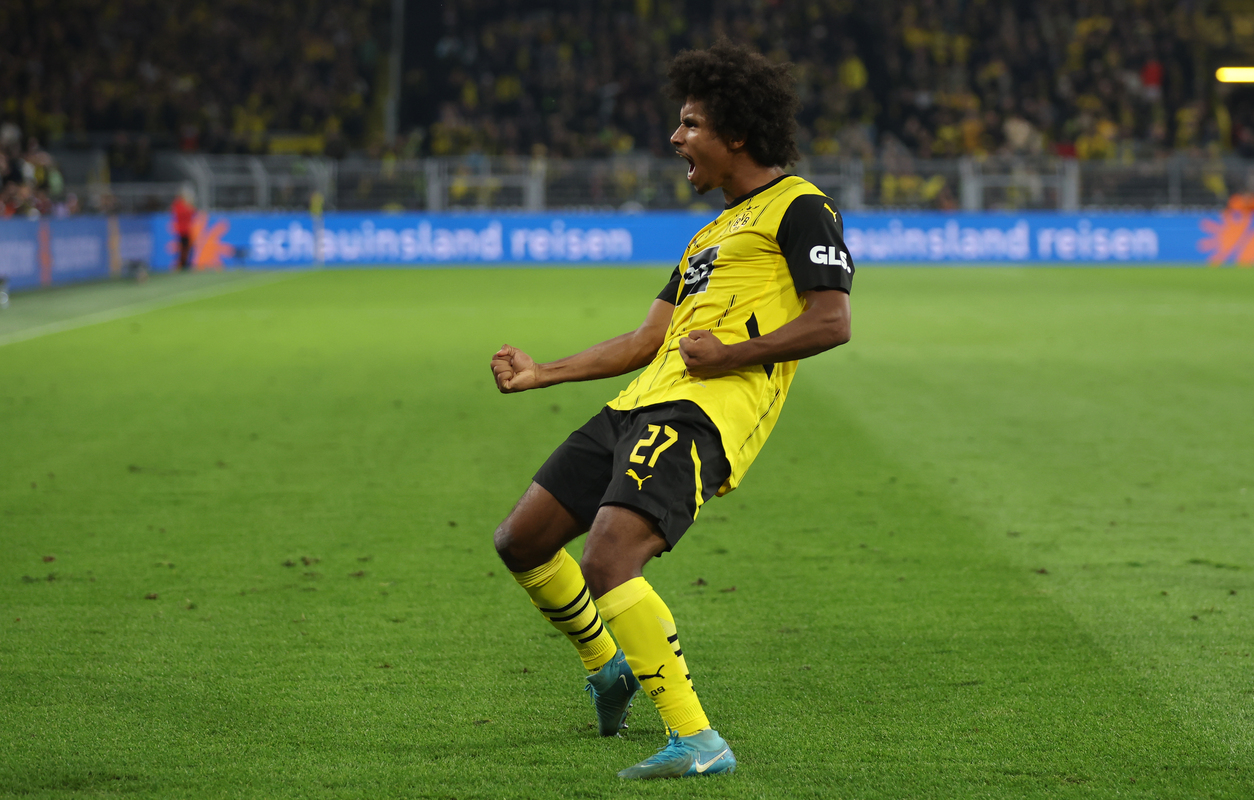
(515, 371)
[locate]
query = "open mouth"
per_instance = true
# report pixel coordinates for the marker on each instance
(692, 165)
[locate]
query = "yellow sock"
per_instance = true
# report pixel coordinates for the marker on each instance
(645, 629)
(558, 590)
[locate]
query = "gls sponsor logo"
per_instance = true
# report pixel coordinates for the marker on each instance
(828, 254)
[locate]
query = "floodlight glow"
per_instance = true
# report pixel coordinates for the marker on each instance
(1235, 74)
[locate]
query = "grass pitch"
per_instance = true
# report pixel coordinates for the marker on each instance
(1000, 545)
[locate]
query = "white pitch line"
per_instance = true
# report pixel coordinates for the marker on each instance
(97, 317)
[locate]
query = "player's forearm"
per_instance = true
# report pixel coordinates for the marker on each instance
(814, 332)
(610, 358)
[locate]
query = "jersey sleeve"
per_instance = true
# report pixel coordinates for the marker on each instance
(811, 237)
(672, 288)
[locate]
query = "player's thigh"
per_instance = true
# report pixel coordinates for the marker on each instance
(563, 498)
(535, 529)
(579, 470)
(667, 467)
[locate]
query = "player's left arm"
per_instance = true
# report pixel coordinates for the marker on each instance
(823, 325)
(811, 239)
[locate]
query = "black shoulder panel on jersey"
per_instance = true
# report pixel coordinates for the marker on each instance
(672, 288)
(811, 237)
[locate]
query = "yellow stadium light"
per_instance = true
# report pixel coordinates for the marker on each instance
(1235, 74)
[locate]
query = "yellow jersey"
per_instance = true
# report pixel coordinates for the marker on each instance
(742, 276)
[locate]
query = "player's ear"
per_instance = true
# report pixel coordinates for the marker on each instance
(734, 142)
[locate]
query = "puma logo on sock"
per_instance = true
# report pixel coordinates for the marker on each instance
(657, 674)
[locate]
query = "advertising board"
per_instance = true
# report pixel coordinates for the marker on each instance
(412, 239)
(48, 252)
(345, 239)
(19, 253)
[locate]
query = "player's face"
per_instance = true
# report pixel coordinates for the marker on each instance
(708, 156)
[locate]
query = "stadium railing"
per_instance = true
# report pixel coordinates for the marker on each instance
(636, 183)
(633, 183)
(259, 182)
(131, 197)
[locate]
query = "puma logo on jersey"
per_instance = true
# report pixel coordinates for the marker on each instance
(631, 473)
(828, 254)
(657, 674)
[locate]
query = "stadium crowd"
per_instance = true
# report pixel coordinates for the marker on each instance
(216, 77)
(31, 184)
(1089, 78)
(895, 79)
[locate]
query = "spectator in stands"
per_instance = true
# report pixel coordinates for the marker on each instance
(8, 174)
(8, 206)
(12, 170)
(31, 185)
(18, 200)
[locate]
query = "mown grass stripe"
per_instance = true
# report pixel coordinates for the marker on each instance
(190, 295)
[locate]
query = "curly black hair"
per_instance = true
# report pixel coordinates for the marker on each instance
(746, 97)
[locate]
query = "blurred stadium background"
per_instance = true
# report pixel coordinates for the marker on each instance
(109, 105)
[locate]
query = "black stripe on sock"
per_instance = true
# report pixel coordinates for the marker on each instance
(595, 619)
(679, 654)
(673, 639)
(577, 613)
(688, 677)
(587, 639)
(568, 605)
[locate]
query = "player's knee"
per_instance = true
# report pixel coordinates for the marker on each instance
(594, 574)
(506, 546)
(601, 574)
(514, 550)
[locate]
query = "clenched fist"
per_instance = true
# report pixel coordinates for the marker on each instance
(704, 355)
(514, 370)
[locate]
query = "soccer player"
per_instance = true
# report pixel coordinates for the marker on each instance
(765, 284)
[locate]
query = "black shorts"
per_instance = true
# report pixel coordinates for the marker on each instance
(664, 460)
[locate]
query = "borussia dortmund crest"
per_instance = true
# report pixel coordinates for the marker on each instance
(741, 220)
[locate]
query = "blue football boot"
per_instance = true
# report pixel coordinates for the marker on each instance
(703, 753)
(612, 688)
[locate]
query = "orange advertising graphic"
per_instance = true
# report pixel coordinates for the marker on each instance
(1230, 238)
(208, 249)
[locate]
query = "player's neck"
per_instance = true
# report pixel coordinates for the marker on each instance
(750, 176)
